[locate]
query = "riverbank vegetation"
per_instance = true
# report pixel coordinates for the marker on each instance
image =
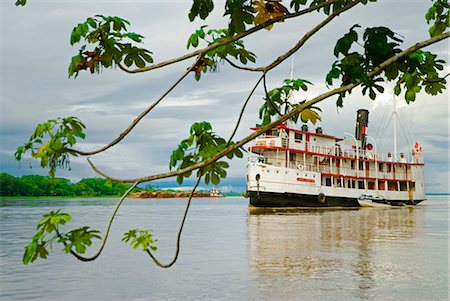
(35, 185)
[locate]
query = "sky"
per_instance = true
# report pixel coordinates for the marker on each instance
(34, 86)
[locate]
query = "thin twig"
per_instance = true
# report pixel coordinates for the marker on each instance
(108, 228)
(243, 109)
(177, 251)
(268, 97)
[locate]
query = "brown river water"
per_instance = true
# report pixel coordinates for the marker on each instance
(229, 254)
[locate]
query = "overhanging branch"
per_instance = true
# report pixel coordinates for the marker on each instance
(377, 70)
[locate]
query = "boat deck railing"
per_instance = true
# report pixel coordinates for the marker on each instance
(339, 151)
(387, 172)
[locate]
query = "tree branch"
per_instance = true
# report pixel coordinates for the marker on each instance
(137, 119)
(231, 39)
(377, 70)
(299, 44)
(177, 251)
(243, 109)
(108, 228)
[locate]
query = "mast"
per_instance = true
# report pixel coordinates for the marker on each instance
(394, 120)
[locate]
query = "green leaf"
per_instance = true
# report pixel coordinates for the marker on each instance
(344, 44)
(79, 239)
(240, 14)
(139, 238)
(200, 8)
(51, 221)
(35, 249)
(21, 2)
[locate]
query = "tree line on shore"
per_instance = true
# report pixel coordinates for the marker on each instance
(35, 185)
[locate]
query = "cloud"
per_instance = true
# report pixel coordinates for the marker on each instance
(35, 53)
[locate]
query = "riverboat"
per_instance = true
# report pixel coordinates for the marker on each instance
(291, 167)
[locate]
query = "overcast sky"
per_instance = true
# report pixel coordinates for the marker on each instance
(35, 53)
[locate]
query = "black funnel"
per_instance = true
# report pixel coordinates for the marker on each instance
(362, 121)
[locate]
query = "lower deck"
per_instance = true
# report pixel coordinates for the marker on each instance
(275, 199)
(281, 186)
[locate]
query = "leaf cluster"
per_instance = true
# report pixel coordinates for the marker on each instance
(277, 102)
(379, 44)
(268, 10)
(211, 60)
(202, 144)
(139, 238)
(110, 44)
(49, 232)
(51, 142)
(79, 239)
(200, 8)
(439, 13)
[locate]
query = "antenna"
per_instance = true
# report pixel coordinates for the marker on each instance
(394, 120)
(291, 94)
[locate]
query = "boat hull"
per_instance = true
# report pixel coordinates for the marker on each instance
(274, 199)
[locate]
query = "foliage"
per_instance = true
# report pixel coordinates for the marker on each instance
(79, 239)
(278, 101)
(35, 185)
(241, 13)
(439, 12)
(107, 36)
(380, 43)
(49, 232)
(62, 133)
(202, 144)
(140, 238)
(212, 58)
(200, 8)
(268, 10)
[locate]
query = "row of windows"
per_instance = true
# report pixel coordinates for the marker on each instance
(381, 166)
(360, 184)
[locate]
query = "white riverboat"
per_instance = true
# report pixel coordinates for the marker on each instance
(291, 167)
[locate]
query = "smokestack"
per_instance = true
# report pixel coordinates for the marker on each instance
(362, 121)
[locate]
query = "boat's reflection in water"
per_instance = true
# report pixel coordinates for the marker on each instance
(358, 254)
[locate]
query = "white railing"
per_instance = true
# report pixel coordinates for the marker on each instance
(324, 167)
(339, 151)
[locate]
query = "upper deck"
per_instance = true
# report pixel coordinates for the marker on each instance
(283, 138)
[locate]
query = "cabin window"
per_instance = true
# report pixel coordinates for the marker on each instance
(403, 186)
(371, 185)
(327, 181)
(339, 183)
(380, 166)
(381, 185)
(352, 164)
(292, 157)
(392, 185)
(275, 133)
(298, 137)
(389, 167)
(360, 184)
(361, 165)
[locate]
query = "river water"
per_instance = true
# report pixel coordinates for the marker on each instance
(229, 254)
